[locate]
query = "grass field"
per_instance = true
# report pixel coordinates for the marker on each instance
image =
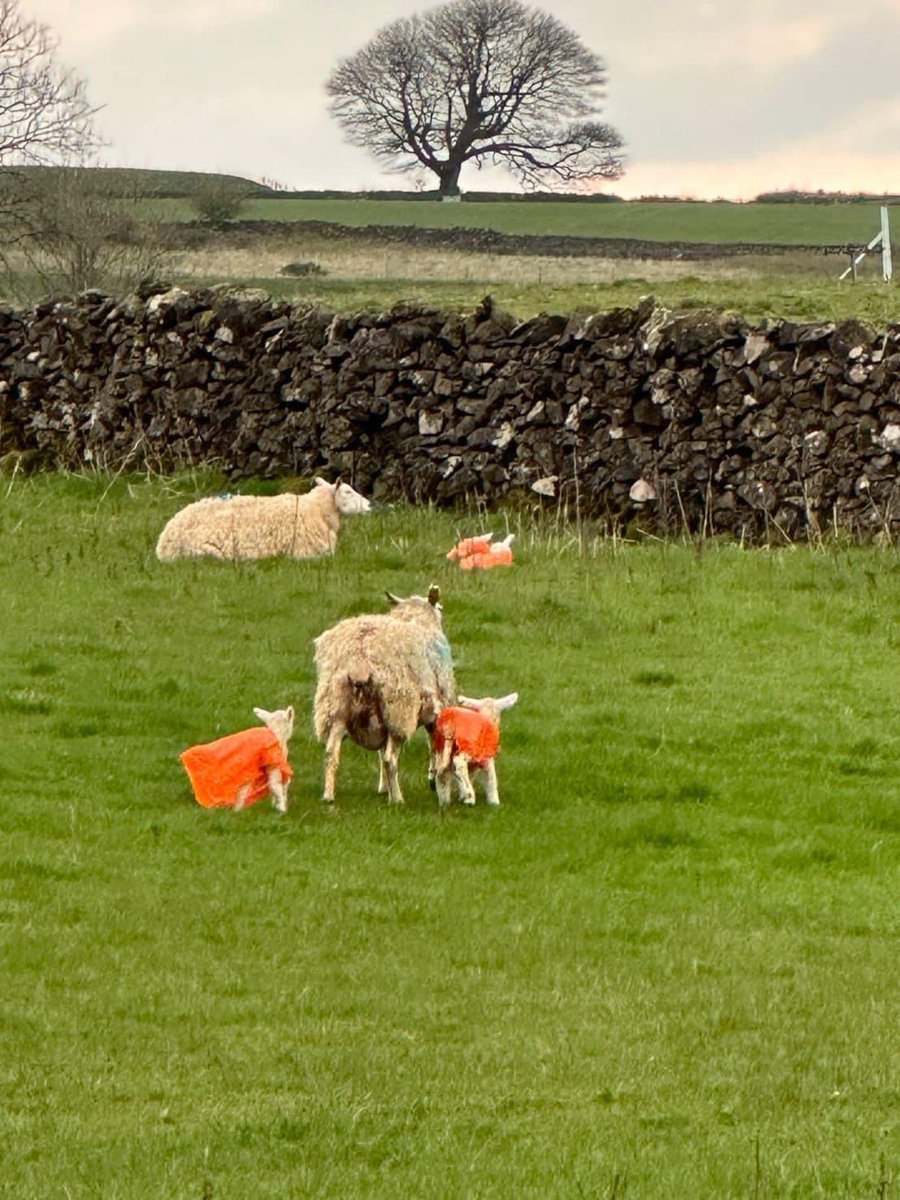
(666, 967)
(787, 224)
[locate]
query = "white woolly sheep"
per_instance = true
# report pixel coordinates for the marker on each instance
(252, 527)
(380, 676)
(468, 736)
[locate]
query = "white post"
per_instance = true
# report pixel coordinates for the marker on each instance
(854, 262)
(887, 268)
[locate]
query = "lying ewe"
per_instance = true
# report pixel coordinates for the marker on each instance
(381, 676)
(242, 768)
(248, 527)
(468, 736)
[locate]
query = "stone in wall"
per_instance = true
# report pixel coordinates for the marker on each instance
(666, 422)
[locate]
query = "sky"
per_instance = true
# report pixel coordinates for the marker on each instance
(714, 98)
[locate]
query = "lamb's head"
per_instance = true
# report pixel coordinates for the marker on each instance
(346, 499)
(426, 610)
(281, 722)
(489, 707)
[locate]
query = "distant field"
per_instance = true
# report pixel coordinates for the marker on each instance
(664, 969)
(788, 224)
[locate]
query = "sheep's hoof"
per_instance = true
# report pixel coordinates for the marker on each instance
(431, 783)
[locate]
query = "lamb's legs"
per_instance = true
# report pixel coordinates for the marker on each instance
(241, 798)
(332, 761)
(491, 791)
(463, 782)
(443, 783)
(389, 758)
(277, 788)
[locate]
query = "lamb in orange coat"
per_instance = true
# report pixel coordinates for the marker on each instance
(482, 553)
(467, 736)
(240, 769)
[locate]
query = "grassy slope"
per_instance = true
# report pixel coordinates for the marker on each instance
(789, 224)
(672, 944)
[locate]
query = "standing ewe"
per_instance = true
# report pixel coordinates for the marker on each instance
(469, 736)
(248, 527)
(381, 676)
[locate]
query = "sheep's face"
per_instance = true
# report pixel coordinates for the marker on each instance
(489, 707)
(346, 499)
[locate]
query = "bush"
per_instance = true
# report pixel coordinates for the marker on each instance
(218, 200)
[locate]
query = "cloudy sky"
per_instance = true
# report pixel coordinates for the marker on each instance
(713, 97)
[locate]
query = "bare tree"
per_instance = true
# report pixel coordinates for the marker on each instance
(44, 112)
(45, 119)
(75, 235)
(479, 81)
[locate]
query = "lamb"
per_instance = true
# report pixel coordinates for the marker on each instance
(469, 736)
(242, 768)
(251, 527)
(482, 552)
(379, 677)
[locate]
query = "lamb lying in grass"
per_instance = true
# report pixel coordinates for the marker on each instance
(252, 527)
(381, 676)
(468, 736)
(242, 768)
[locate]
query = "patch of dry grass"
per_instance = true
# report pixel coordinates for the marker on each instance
(389, 261)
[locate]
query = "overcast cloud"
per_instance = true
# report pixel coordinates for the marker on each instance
(713, 97)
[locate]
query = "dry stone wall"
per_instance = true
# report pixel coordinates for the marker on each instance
(636, 416)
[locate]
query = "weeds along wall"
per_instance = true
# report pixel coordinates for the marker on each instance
(672, 423)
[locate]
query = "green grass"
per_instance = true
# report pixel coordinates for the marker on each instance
(796, 298)
(788, 224)
(666, 967)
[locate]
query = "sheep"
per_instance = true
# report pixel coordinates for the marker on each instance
(244, 767)
(379, 677)
(465, 736)
(482, 552)
(253, 527)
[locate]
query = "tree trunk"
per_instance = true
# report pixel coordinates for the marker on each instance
(448, 174)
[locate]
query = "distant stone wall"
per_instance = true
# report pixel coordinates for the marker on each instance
(674, 423)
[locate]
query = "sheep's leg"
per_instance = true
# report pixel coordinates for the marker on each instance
(390, 756)
(277, 788)
(439, 771)
(433, 763)
(241, 798)
(463, 782)
(491, 792)
(332, 761)
(382, 774)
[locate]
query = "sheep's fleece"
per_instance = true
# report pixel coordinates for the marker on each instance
(240, 528)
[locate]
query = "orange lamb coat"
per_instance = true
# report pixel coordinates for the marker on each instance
(470, 732)
(217, 770)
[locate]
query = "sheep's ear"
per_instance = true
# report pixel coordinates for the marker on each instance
(320, 482)
(393, 599)
(290, 713)
(467, 702)
(263, 715)
(506, 702)
(434, 594)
